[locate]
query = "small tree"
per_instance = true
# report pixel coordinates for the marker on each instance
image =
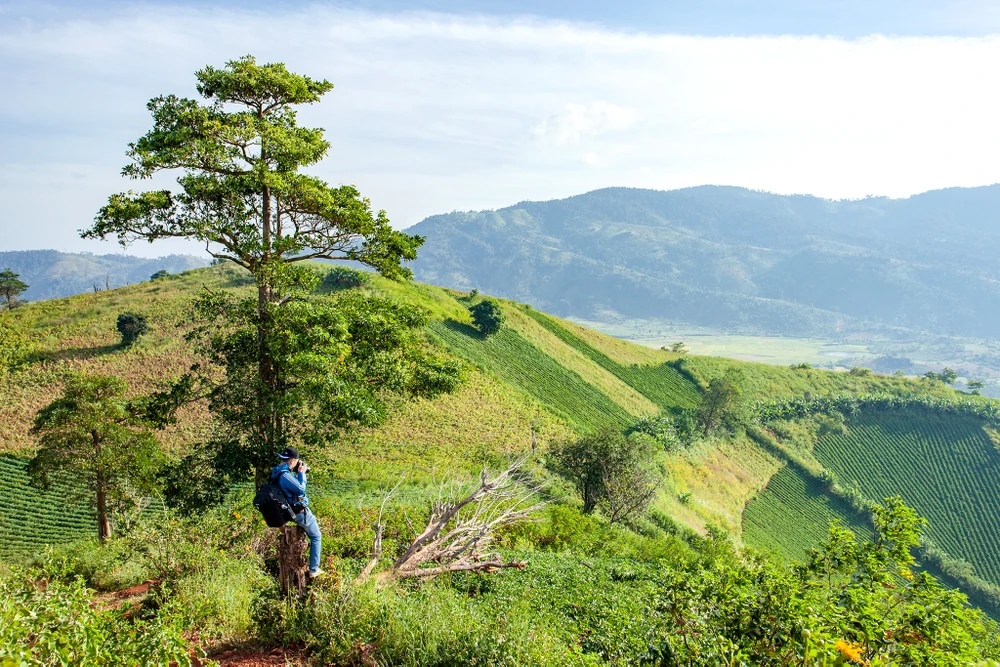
(10, 288)
(162, 273)
(105, 440)
(487, 316)
(678, 347)
(342, 277)
(722, 402)
(975, 386)
(131, 326)
(592, 461)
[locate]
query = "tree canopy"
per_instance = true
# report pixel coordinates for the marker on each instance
(10, 288)
(105, 439)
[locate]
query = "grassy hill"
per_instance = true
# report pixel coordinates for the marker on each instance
(540, 375)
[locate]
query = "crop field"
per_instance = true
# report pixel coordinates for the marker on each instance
(517, 362)
(31, 518)
(793, 514)
(948, 469)
(662, 384)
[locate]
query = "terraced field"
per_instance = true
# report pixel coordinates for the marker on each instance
(948, 469)
(662, 384)
(31, 518)
(793, 514)
(520, 364)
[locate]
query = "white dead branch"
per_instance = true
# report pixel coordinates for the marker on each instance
(459, 531)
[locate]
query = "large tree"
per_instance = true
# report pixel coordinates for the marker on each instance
(10, 288)
(240, 152)
(102, 438)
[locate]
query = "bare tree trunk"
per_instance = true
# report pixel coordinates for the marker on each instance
(103, 524)
(292, 566)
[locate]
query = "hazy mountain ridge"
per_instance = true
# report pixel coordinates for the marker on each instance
(52, 274)
(735, 258)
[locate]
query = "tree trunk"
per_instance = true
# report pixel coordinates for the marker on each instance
(103, 525)
(292, 565)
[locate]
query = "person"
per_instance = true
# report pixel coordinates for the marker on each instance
(291, 474)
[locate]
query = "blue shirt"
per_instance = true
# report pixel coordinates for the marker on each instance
(293, 484)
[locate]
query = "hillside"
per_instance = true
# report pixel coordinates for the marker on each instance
(736, 259)
(540, 375)
(51, 274)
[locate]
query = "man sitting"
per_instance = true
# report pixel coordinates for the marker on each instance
(291, 474)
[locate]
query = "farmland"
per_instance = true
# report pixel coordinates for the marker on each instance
(661, 383)
(792, 515)
(31, 518)
(948, 469)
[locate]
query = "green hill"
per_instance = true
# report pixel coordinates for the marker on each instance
(541, 379)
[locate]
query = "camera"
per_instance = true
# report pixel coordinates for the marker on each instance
(302, 467)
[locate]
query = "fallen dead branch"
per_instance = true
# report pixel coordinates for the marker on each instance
(459, 531)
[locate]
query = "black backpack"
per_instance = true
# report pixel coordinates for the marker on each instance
(273, 505)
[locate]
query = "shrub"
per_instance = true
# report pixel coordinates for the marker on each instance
(162, 273)
(131, 326)
(52, 622)
(487, 316)
(341, 277)
(860, 371)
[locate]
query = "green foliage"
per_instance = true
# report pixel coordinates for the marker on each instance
(337, 358)
(162, 273)
(241, 194)
(10, 288)
(947, 375)
(601, 465)
(131, 326)
(48, 621)
(103, 438)
(722, 403)
(663, 430)
(487, 316)
(860, 371)
(342, 277)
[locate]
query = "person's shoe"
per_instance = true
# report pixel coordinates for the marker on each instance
(316, 573)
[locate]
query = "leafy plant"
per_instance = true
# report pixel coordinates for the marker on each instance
(488, 317)
(131, 326)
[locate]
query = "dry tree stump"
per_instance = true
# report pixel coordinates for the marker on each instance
(292, 565)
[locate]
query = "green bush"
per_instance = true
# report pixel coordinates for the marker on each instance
(48, 621)
(342, 277)
(162, 273)
(488, 317)
(131, 326)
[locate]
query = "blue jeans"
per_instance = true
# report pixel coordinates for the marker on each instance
(307, 520)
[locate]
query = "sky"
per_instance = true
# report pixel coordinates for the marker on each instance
(449, 105)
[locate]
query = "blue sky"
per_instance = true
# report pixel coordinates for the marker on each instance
(452, 105)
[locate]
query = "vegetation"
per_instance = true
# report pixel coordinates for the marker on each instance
(241, 193)
(105, 440)
(610, 470)
(131, 326)
(487, 316)
(10, 288)
(948, 469)
(162, 273)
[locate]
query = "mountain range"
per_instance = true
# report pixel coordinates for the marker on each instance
(735, 259)
(51, 274)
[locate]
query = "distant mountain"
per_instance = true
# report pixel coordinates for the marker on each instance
(51, 274)
(736, 259)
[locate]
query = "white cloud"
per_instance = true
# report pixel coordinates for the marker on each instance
(433, 113)
(577, 121)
